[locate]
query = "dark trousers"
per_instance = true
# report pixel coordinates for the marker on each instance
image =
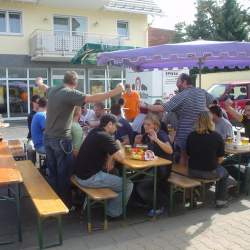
(221, 185)
(145, 187)
(59, 162)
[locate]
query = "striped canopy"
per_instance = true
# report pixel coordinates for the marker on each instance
(198, 53)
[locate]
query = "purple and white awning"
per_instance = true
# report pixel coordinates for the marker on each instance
(198, 53)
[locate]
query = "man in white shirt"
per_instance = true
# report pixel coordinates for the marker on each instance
(86, 116)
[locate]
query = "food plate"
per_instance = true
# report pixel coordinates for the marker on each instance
(147, 155)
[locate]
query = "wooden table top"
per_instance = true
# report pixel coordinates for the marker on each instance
(236, 151)
(137, 164)
(9, 173)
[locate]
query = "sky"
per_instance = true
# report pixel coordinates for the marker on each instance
(180, 11)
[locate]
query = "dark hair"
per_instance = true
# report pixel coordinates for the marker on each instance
(105, 119)
(42, 103)
(127, 85)
(247, 103)
(121, 101)
(215, 102)
(216, 110)
(185, 77)
(99, 105)
(115, 109)
(35, 98)
(70, 77)
(158, 102)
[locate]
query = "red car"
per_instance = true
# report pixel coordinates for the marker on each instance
(238, 91)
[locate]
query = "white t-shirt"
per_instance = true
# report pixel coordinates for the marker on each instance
(90, 115)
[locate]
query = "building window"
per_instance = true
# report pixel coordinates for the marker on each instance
(10, 22)
(70, 25)
(122, 28)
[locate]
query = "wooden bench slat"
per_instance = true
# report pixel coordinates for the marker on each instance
(183, 170)
(183, 181)
(43, 196)
(96, 193)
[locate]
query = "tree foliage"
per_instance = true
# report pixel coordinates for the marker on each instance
(223, 21)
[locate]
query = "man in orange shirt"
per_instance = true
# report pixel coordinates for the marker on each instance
(131, 103)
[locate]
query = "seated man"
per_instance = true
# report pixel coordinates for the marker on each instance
(244, 118)
(205, 149)
(95, 160)
(125, 132)
(86, 115)
(38, 126)
(99, 110)
(222, 125)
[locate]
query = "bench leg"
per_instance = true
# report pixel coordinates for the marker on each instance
(171, 194)
(40, 232)
(191, 197)
(203, 187)
(105, 215)
(59, 224)
(18, 197)
(184, 198)
(89, 215)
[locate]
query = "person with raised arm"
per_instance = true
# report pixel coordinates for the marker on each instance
(58, 144)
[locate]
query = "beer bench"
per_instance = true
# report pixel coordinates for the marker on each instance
(183, 170)
(46, 201)
(180, 183)
(95, 195)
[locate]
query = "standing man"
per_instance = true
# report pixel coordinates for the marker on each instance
(131, 103)
(38, 126)
(31, 153)
(58, 145)
(187, 105)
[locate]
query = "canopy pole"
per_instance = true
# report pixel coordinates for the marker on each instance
(108, 84)
(200, 63)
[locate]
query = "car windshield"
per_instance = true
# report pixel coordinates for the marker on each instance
(217, 90)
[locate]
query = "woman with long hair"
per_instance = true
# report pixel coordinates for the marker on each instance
(205, 149)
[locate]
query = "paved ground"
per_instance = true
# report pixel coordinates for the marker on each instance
(202, 228)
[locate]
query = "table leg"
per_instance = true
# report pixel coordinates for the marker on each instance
(155, 189)
(124, 185)
(238, 178)
(18, 195)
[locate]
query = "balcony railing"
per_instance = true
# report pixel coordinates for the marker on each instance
(63, 45)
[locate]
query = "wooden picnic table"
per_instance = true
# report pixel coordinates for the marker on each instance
(10, 177)
(237, 152)
(140, 167)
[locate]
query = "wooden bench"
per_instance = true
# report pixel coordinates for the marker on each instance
(180, 183)
(94, 195)
(183, 170)
(46, 201)
(17, 149)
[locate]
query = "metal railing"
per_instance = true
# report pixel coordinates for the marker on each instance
(43, 42)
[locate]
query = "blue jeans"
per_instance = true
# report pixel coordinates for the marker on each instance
(41, 150)
(221, 185)
(59, 161)
(105, 180)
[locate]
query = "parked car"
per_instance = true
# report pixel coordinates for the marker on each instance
(238, 92)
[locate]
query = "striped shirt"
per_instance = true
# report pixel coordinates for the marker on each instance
(187, 105)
